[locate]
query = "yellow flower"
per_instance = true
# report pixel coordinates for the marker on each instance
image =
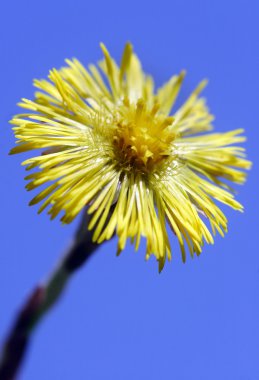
(110, 143)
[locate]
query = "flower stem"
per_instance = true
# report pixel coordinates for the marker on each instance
(41, 300)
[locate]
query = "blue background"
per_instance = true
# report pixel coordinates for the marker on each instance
(119, 318)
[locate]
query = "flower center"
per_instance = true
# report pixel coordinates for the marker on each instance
(142, 138)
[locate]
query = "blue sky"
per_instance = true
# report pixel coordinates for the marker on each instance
(119, 318)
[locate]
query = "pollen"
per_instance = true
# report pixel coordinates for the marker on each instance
(143, 138)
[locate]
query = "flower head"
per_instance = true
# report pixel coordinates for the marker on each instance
(112, 143)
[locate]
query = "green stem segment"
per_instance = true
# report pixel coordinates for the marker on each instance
(42, 299)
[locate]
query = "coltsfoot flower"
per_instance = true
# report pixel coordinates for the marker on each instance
(112, 143)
